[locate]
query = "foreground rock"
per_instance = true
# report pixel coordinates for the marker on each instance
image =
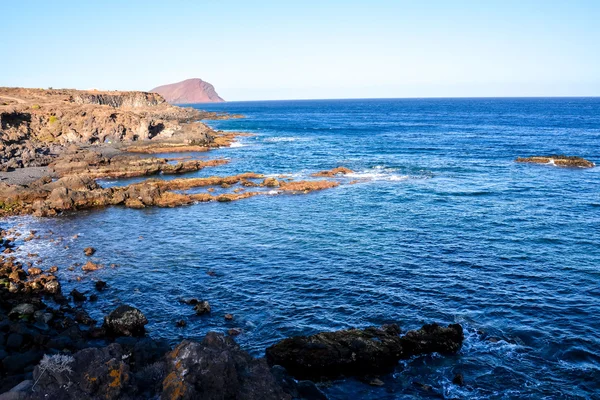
(357, 352)
(558, 160)
(216, 368)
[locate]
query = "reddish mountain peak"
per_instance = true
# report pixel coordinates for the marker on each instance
(189, 91)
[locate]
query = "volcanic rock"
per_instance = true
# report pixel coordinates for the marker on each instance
(217, 368)
(125, 321)
(203, 307)
(357, 352)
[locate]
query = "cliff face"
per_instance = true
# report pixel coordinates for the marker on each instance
(189, 91)
(118, 100)
(36, 123)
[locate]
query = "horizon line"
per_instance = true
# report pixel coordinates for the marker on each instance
(405, 98)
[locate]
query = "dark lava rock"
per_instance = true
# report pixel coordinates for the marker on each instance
(217, 368)
(78, 296)
(19, 361)
(203, 307)
(89, 251)
(432, 338)
(459, 380)
(181, 323)
(89, 374)
(93, 297)
(22, 310)
(100, 285)
(357, 352)
(189, 301)
(305, 390)
(14, 341)
(125, 321)
(84, 318)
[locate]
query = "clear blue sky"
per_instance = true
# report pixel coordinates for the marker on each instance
(308, 49)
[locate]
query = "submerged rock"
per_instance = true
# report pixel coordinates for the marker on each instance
(360, 352)
(89, 251)
(333, 172)
(125, 321)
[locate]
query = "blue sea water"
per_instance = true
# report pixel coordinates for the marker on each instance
(443, 226)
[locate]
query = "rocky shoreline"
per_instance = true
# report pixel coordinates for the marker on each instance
(52, 349)
(54, 144)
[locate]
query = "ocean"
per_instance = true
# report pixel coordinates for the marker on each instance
(441, 226)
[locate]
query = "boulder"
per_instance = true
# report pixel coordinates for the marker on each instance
(217, 368)
(78, 296)
(89, 251)
(125, 321)
(202, 307)
(90, 266)
(22, 310)
(52, 287)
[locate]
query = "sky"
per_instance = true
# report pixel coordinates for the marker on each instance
(260, 50)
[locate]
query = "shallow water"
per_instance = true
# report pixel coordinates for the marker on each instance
(443, 227)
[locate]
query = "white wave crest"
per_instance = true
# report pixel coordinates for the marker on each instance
(283, 139)
(378, 175)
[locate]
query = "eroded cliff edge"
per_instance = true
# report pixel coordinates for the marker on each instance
(36, 125)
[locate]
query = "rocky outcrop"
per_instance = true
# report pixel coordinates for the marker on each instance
(558, 160)
(42, 123)
(189, 91)
(95, 165)
(357, 352)
(118, 100)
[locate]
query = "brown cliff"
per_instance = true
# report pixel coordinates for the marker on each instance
(37, 124)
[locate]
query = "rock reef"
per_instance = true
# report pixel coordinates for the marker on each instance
(558, 160)
(46, 197)
(360, 352)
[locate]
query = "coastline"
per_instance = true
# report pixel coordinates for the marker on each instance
(258, 183)
(40, 322)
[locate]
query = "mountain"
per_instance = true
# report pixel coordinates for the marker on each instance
(188, 92)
